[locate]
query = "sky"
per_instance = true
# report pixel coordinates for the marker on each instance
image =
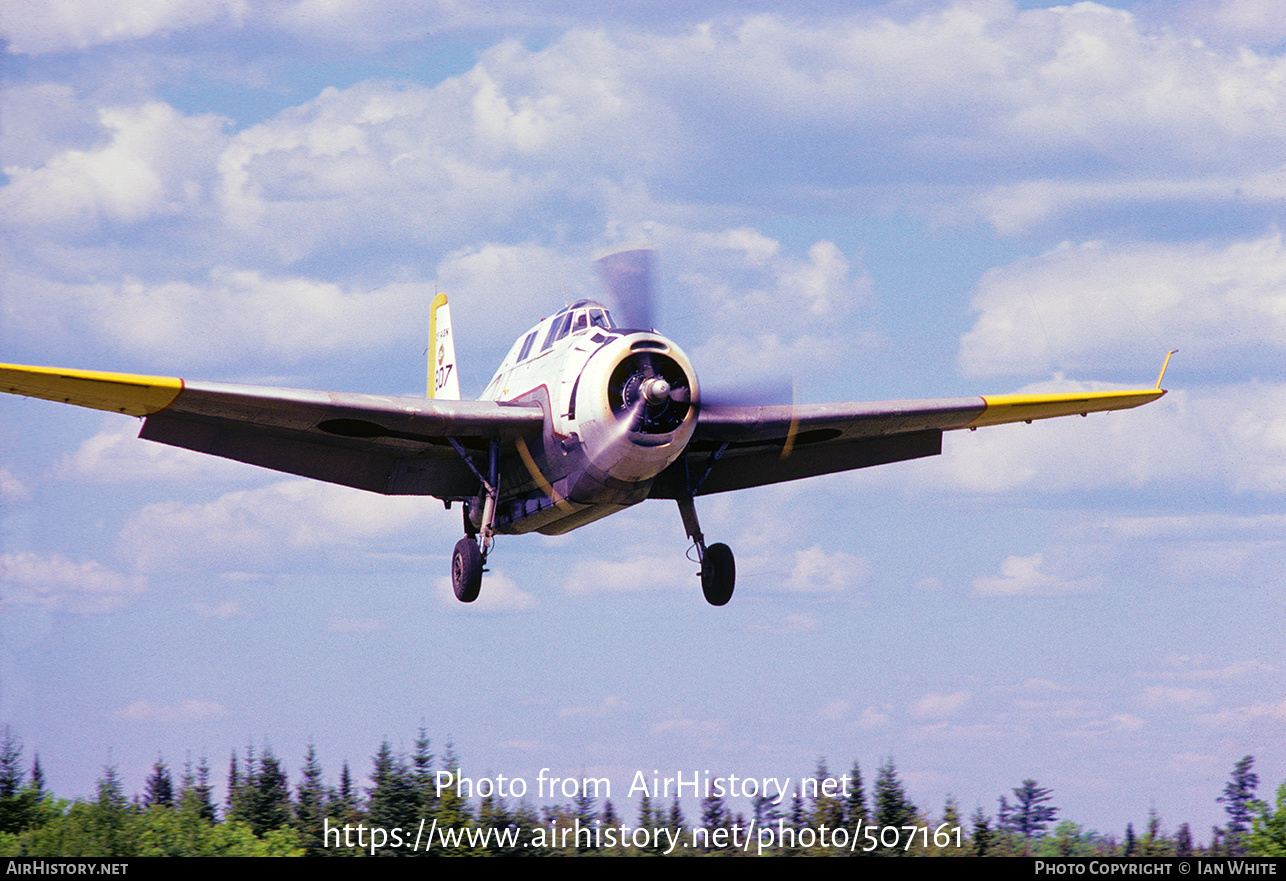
(876, 201)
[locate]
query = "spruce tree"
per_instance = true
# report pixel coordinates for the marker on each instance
(980, 841)
(310, 805)
(394, 799)
(892, 806)
(160, 786)
(855, 805)
(1239, 802)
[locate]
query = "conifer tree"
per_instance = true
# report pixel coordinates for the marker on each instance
(394, 800)
(453, 809)
(980, 840)
(160, 786)
(1239, 802)
(310, 805)
(714, 815)
(855, 805)
(892, 806)
(827, 809)
(15, 812)
(675, 820)
(1030, 815)
(766, 810)
(422, 774)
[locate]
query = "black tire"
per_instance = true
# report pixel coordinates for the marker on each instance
(718, 574)
(466, 570)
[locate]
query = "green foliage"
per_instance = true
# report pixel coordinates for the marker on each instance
(1268, 833)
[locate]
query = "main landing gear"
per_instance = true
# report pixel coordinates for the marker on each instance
(466, 569)
(469, 559)
(718, 568)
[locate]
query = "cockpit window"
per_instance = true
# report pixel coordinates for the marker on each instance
(526, 346)
(599, 318)
(557, 330)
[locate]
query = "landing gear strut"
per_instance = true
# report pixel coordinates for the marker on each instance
(469, 559)
(718, 569)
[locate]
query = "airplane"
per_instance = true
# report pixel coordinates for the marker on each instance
(584, 417)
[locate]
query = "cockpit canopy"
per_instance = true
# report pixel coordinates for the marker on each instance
(580, 317)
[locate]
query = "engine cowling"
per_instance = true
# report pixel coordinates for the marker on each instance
(636, 406)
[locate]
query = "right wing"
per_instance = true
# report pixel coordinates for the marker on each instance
(740, 447)
(385, 444)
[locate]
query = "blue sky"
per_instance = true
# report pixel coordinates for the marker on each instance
(918, 199)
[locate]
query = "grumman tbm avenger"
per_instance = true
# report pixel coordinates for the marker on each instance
(584, 417)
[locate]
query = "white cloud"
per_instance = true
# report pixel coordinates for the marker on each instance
(37, 26)
(168, 714)
(817, 571)
(116, 455)
(1229, 436)
(608, 706)
(226, 318)
(638, 573)
(157, 162)
(1177, 696)
(225, 609)
(1023, 576)
(277, 527)
(935, 705)
(499, 594)
(1234, 718)
(61, 585)
(11, 487)
(1098, 303)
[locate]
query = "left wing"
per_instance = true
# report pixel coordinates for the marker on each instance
(740, 447)
(386, 444)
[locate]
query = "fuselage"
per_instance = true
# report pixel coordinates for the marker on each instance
(619, 406)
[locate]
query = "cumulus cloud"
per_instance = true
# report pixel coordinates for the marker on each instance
(1230, 436)
(157, 162)
(1095, 305)
(228, 317)
(637, 573)
(276, 527)
(1024, 576)
(500, 594)
(116, 455)
(38, 26)
(61, 585)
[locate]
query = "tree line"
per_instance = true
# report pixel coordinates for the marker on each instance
(264, 814)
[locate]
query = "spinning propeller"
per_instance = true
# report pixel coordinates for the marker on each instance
(649, 391)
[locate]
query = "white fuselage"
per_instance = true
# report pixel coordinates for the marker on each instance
(619, 408)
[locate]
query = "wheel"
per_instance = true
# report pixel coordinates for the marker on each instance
(718, 574)
(466, 570)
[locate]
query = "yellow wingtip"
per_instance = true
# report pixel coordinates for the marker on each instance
(127, 393)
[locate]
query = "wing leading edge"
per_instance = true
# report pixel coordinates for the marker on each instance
(386, 444)
(742, 447)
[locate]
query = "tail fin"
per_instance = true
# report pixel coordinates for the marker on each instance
(443, 381)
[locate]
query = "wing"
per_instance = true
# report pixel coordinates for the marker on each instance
(740, 447)
(386, 444)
